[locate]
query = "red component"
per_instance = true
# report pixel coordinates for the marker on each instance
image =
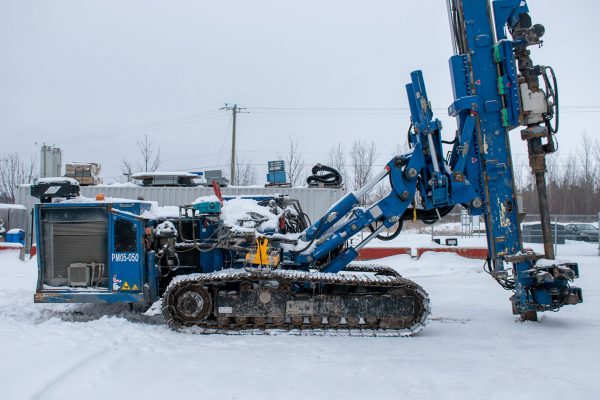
(281, 223)
(371, 253)
(217, 191)
(388, 169)
(479, 253)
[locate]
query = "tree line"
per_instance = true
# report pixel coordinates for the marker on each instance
(573, 180)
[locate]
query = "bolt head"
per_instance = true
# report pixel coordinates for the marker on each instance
(411, 173)
(404, 195)
(476, 203)
(459, 177)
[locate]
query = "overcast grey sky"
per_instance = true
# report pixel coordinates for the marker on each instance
(78, 73)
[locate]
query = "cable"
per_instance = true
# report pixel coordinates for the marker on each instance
(394, 235)
(324, 174)
(408, 135)
(428, 217)
(552, 90)
(506, 284)
(313, 239)
(135, 130)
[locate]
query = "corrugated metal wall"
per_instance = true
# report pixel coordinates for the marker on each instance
(315, 202)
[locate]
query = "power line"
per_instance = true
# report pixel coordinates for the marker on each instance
(137, 129)
(211, 114)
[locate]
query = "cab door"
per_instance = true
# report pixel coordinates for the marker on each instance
(126, 253)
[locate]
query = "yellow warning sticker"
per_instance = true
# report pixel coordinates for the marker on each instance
(135, 287)
(126, 286)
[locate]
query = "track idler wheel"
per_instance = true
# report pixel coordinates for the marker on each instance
(186, 305)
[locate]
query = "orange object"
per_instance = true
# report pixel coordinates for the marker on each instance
(100, 196)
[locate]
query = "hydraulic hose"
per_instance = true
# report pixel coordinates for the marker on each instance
(324, 174)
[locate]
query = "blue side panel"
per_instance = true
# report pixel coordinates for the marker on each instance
(125, 267)
(276, 177)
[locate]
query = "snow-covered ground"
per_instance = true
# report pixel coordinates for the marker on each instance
(472, 349)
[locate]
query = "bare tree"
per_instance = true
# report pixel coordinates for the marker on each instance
(520, 169)
(295, 163)
(128, 169)
(597, 160)
(150, 155)
(245, 173)
(337, 159)
(362, 157)
(588, 173)
(15, 172)
(150, 158)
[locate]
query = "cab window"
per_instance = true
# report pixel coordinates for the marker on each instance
(125, 236)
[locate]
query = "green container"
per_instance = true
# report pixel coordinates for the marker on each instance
(208, 207)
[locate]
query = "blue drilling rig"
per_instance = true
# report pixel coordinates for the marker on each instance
(212, 276)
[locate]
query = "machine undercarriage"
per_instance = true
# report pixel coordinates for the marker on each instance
(374, 298)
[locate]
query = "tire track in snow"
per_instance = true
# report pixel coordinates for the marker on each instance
(67, 373)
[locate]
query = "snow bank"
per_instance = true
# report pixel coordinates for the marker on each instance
(74, 351)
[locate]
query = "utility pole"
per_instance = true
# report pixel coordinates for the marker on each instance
(235, 110)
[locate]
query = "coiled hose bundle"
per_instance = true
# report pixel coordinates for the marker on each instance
(325, 175)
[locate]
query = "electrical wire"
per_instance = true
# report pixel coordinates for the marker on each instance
(506, 284)
(321, 221)
(137, 129)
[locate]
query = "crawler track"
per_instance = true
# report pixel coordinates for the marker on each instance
(364, 300)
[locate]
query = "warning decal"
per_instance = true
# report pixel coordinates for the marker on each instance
(135, 287)
(126, 286)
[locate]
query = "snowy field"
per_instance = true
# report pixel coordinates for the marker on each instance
(472, 349)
